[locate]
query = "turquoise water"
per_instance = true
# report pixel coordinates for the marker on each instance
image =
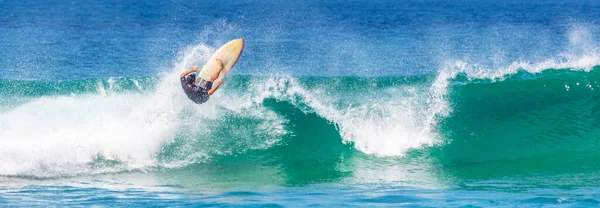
(333, 103)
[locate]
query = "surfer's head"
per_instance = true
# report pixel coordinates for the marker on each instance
(190, 79)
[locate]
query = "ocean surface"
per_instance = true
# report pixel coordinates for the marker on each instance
(360, 103)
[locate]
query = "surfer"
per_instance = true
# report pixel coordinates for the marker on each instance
(200, 92)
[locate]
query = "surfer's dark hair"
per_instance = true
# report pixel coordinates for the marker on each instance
(190, 79)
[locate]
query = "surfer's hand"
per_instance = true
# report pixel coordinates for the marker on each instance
(185, 73)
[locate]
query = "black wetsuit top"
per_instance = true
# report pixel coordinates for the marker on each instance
(197, 93)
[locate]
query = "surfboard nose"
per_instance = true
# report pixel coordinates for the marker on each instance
(239, 41)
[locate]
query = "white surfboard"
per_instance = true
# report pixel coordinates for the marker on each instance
(228, 53)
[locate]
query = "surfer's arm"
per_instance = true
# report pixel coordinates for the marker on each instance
(216, 84)
(193, 69)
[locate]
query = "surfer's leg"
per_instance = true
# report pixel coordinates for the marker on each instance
(215, 74)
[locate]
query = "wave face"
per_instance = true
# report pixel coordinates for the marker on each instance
(532, 122)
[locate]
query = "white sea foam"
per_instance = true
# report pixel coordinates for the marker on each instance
(64, 135)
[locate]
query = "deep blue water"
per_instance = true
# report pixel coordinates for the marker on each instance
(112, 38)
(333, 103)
